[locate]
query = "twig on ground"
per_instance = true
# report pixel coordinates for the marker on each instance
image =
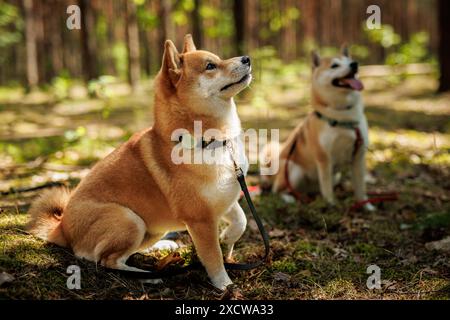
(28, 189)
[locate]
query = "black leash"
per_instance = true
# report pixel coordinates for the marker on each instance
(197, 265)
(262, 230)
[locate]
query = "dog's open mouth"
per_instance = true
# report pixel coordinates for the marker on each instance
(349, 82)
(243, 79)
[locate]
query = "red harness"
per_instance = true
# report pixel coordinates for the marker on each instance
(377, 196)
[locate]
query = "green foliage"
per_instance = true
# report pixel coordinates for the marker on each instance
(101, 27)
(413, 51)
(385, 36)
(101, 87)
(359, 52)
(221, 21)
(181, 12)
(146, 18)
(60, 85)
(286, 265)
(435, 220)
(31, 149)
(11, 25)
(283, 19)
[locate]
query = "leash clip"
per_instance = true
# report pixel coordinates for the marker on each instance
(238, 170)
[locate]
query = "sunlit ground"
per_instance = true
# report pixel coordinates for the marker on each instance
(318, 252)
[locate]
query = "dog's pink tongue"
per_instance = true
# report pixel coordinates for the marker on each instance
(355, 84)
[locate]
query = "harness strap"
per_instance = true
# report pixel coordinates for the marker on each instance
(377, 198)
(349, 124)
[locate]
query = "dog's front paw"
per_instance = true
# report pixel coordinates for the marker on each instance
(221, 281)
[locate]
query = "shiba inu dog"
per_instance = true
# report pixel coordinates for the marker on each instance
(137, 194)
(334, 134)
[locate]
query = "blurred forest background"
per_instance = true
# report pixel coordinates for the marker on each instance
(123, 38)
(70, 97)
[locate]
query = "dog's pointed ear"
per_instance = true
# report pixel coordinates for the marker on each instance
(171, 62)
(315, 59)
(344, 50)
(188, 44)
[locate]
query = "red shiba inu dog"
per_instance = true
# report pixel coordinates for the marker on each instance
(334, 134)
(137, 194)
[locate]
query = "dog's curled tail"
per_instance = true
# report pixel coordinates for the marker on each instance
(46, 213)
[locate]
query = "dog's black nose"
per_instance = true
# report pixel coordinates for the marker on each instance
(246, 60)
(354, 66)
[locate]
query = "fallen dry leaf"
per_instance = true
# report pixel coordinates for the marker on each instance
(172, 258)
(232, 292)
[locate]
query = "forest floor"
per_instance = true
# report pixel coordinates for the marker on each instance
(318, 252)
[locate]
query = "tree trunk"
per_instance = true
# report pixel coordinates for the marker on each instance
(88, 44)
(239, 26)
(30, 35)
(134, 66)
(252, 31)
(444, 45)
(197, 28)
(168, 30)
(56, 40)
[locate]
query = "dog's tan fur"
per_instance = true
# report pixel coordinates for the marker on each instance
(321, 148)
(134, 196)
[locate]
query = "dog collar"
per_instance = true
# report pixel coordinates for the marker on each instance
(190, 142)
(337, 123)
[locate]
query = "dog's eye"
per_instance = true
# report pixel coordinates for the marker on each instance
(210, 66)
(334, 66)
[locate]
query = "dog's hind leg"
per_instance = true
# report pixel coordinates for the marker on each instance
(127, 233)
(296, 178)
(124, 235)
(113, 233)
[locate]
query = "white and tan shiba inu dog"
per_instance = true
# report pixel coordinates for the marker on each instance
(137, 194)
(334, 134)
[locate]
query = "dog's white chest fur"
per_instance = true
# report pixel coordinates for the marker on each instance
(339, 143)
(224, 190)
